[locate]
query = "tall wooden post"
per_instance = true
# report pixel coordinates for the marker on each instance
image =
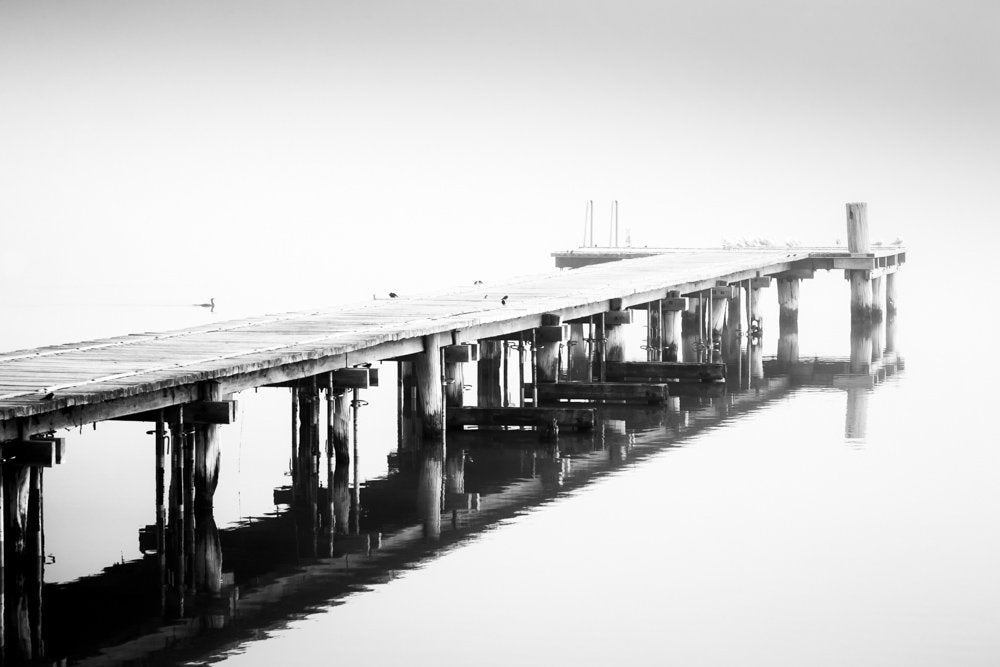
(207, 453)
(338, 449)
(520, 369)
(430, 405)
(671, 327)
(488, 374)
(178, 511)
(858, 242)
(160, 436)
(654, 331)
(733, 330)
(307, 484)
(189, 456)
(505, 392)
(600, 337)
(407, 425)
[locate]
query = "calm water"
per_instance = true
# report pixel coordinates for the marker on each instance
(794, 523)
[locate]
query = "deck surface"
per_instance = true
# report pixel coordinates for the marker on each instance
(48, 379)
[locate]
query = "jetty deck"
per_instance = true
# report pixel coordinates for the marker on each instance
(54, 387)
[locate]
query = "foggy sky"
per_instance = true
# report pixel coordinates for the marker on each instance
(228, 146)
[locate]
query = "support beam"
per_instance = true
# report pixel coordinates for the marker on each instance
(44, 452)
(206, 411)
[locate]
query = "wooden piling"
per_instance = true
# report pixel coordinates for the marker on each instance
(546, 361)
(720, 306)
(407, 424)
(858, 242)
(788, 304)
(878, 298)
(576, 367)
(207, 453)
(654, 331)
(160, 437)
(670, 328)
(733, 329)
(891, 295)
(430, 405)
(488, 374)
(454, 387)
(615, 346)
(755, 315)
(691, 331)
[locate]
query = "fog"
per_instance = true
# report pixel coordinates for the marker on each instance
(285, 155)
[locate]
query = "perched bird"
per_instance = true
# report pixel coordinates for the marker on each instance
(503, 301)
(366, 365)
(392, 295)
(49, 396)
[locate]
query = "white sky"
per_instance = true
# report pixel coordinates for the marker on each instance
(234, 147)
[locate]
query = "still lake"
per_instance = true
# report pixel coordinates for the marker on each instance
(764, 528)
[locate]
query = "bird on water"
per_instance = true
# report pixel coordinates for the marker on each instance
(210, 305)
(503, 301)
(393, 295)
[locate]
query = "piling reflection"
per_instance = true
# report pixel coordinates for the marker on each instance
(196, 580)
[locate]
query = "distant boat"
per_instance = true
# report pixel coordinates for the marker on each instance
(210, 305)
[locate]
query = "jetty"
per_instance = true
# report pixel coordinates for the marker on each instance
(543, 357)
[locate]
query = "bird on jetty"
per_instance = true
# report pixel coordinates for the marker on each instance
(210, 305)
(503, 301)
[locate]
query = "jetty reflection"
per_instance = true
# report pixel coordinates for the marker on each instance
(180, 602)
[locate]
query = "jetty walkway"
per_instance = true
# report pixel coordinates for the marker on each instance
(50, 388)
